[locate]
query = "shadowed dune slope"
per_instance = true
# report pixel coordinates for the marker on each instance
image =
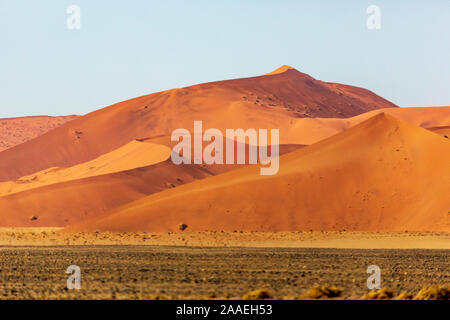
(61, 204)
(382, 174)
(14, 131)
(269, 101)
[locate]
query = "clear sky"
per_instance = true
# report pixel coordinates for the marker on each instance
(130, 48)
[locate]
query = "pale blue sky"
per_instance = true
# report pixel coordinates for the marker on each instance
(130, 48)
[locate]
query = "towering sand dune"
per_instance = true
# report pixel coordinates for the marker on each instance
(382, 174)
(14, 131)
(269, 101)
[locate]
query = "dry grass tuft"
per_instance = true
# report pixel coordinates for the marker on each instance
(381, 294)
(433, 293)
(323, 292)
(404, 296)
(259, 294)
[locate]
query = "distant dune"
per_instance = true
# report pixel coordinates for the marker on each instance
(312, 130)
(14, 131)
(382, 174)
(269, 101)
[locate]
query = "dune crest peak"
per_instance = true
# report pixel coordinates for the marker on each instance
(281, 69)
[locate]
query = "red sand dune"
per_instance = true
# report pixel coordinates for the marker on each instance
(65, 203)
(14, 131)
(382, 174)
(269, 101)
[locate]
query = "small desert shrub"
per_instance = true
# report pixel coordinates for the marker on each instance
(433, 293)
(404, 296)
(182, 226)
(381, 294)
(323, 292)
(257, 295)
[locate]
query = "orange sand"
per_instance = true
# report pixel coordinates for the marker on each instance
(133, 155)
(382, 174)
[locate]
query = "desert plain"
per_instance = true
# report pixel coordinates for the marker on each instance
(211, 265)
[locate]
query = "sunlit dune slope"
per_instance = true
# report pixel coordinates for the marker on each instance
(279, 70)
(132, 155)
(382, 174)
(269, 101)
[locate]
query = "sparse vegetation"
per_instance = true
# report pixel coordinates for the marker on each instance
(259, 294)
(404, 296)
(323, 292)
(433, 293)
(381, 294)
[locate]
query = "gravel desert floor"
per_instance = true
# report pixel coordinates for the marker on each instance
(149, 272)
(177, 268)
